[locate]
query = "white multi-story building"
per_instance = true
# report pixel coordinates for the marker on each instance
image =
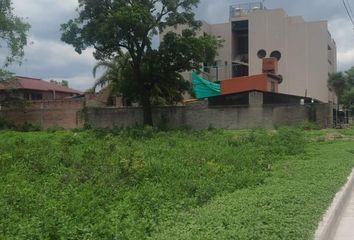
(306, 50)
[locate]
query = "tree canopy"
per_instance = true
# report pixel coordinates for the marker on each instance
(120, 27)
(13, 32)
(342, 83)
(63, 83)
(337, 82)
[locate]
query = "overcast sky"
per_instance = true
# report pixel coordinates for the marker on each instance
(49, 58)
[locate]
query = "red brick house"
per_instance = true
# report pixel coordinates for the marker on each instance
(37, 89)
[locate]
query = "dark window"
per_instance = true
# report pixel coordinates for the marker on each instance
(240, 48)
(27, 96)
(239, 70)
(240, 26)
(243, 45)
(36, 96)
(206, 68)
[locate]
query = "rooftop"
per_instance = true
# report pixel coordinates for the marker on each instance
(243, 8)
(38, 85)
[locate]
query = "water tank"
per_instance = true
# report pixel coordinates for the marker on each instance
(238, 11)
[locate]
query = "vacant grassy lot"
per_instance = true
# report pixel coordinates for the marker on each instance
(145, 184)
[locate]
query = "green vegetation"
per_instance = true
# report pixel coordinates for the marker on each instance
(13, 32)
(25, 127)
(122, 33)
(13, 35)
(343, 85)
(148, 184)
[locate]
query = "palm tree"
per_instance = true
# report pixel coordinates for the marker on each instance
(113, 71)
(117, 77)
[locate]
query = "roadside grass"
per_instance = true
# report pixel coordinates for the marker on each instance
(183, 184)
(288, 206)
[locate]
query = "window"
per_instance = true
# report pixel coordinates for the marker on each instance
(33, 96)
(37, 96)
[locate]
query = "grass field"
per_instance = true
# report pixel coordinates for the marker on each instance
(148, 184)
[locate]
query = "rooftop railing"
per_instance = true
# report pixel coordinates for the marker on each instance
(241, 9)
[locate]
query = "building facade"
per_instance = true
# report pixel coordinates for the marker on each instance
(306, 50)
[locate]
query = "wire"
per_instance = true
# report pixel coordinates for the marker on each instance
(348, 12)
(350, 8)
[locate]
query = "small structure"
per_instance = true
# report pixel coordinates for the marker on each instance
(268, 81)
(37, 89)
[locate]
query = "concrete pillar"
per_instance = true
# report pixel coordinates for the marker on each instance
(255, 99)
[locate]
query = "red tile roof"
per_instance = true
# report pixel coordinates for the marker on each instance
(40, 85)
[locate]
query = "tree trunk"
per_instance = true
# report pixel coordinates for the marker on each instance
(144, 97)
(146, 104)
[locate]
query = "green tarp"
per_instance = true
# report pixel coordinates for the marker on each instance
(203, 88)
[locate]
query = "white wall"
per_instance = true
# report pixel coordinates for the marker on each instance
(304, 45)
(224, 53)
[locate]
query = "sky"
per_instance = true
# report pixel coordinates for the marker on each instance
(49, 58)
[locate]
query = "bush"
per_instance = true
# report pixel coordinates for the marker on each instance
(5, 124)
(29, 127)
(54, 129)
(309, 126)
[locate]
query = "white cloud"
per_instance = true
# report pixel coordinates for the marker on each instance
(40, 9)
(49, 59)
(342, 32)
(79, 82)
(346, 60)
(58, 54)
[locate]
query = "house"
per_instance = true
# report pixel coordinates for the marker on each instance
(305, 51)
(37, 89)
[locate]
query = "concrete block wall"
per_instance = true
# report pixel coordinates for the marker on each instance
(201, 116)
(114, 117)
(324, 115)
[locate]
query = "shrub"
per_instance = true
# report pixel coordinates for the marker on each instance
(309, 126)
(5, 124)
(29, 127)
(54, 129)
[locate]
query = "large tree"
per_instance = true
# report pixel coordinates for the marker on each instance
(343, 85)
(13, 35)
(337, 82)
(117, 27)
(13, 32)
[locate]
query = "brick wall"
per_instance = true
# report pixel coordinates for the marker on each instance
(63, 113)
